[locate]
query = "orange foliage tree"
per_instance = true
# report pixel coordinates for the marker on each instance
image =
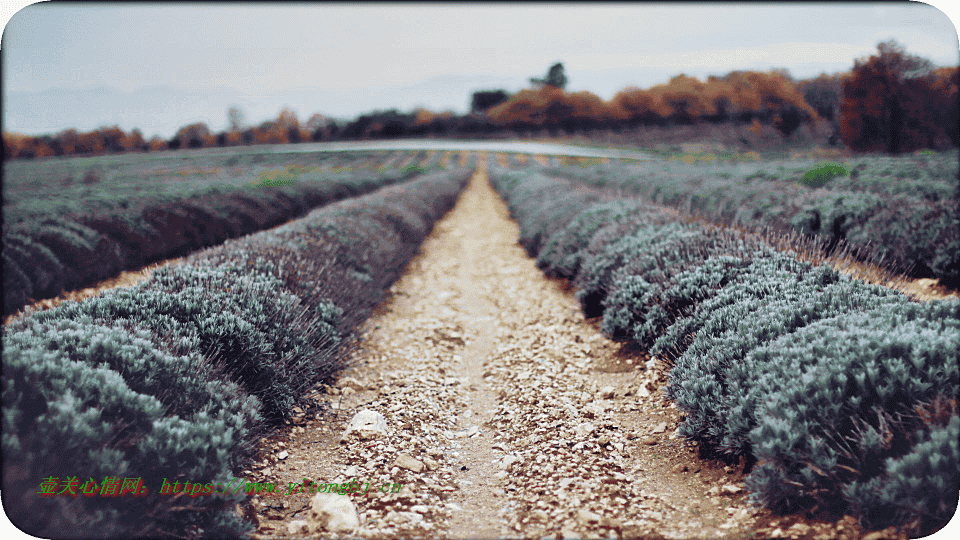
(897, 102)
(550, 107)
(196, 135)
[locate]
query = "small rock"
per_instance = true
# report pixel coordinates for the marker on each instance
(661, 427)
(610, 523)
(351, 383)
(650, 441)
(508, 460)
(586, 517)
(298, 526)
(732, 489)
(407, 461)
(366, 424)
(801, 529)
(283, 455)
(681, 468)
(584, 429)
(607, 392)
(643, 392)
(332, 512)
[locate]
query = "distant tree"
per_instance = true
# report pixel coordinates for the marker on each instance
(884, 94)
(555, 77)
(823, 93)
(640, 106)
(156, 144)
(136, 142)
(196, 135)
(485, 99)
(287, 126)
(114, 139)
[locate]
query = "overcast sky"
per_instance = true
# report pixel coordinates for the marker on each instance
(263, 51)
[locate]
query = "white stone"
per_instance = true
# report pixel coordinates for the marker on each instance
(412, 517)
(297, 527)
(367, 424)
(332, 512)
(607, 392)
(586, 517)
(508, 460)
(408, 462)
(584, 429)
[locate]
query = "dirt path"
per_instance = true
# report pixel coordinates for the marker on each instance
(507, 414)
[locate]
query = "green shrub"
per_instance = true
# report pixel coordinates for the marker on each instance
(823, 174)
(260, 334)
(771, 297)
(46, 274)
(599, 268)
(859, 408)
(563, 252)
(17, 287)
(88, 400)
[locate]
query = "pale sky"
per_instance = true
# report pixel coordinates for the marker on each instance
(264, 50)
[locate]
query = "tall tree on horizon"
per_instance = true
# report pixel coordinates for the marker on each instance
(555, 77)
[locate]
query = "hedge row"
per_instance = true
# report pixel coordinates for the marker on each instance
(44, 256)
(177, 378)
(914, 231)
(841, 396)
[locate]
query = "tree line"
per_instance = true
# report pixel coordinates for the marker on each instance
(891, 101)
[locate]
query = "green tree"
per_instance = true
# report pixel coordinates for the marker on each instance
(555, 77)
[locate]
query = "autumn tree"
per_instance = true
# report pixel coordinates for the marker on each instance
(135, 141)
(287, 127)
(196, 135)
(883, 96)
(640, 106)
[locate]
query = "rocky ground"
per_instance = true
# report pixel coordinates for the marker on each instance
(493, 409)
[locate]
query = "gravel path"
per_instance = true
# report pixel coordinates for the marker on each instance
(507, 414)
